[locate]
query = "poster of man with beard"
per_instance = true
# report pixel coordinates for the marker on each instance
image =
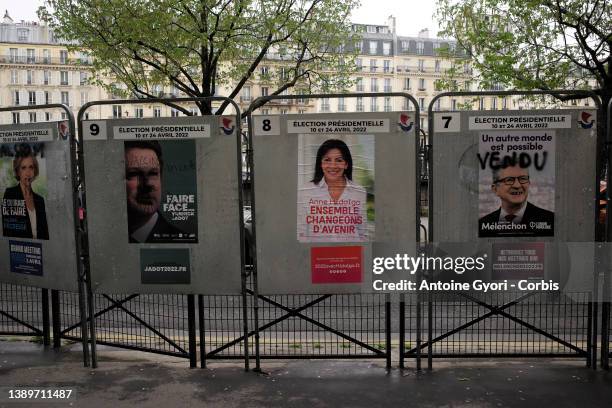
(160, 183)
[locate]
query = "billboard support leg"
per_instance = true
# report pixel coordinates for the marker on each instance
(56, 319)
(193, 354)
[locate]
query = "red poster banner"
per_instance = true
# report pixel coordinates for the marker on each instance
(339, 264)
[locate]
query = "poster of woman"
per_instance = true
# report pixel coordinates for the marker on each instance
(23, 182)
(335, 188)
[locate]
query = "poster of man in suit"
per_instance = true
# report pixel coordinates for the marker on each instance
(516, 183)
(160, 184)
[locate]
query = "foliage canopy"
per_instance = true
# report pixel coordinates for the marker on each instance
(209, 47)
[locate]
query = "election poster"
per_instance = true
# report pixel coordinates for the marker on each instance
(26, 258)
(516, 183)
(161, 190)
(23, 185)
(518, 260)
(335, 197)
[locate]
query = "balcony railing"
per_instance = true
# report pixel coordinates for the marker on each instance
(11, 59)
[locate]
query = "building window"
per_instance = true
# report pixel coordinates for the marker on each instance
(387, 106)
(359, 63)
(48, 116)
(373, 47)
(46, 57)
(83, 77)
(420, 47)
(23, 34)
(386, 66)
(31, 98)
(421, 84)
(16, 118)
(31, 56)
(84, 97)
(341, 105)
(174, 113)
(325, 105)
(265, 111)
(14, 77)
(138, 113)
(405, 45)
(48, 97)
(386, 48)
(13, 55)
(264, 70)
(372, 65)
(494, 103)
(359, 104)
(373, 84)
(437, 105)
(46, 77)
(387, 87)
(116, 111)
(65, 98)
(421, 65)
(359, 46)
(422, 104)
(466, 85)
(264, 91)
(16, 98)
(371, 29)
(437, 66)
(406, 84)
(63, 77)
(246, 94)
(359, 84)
(63, 57)
(284, 111)
(504, 103)
(157, 112)
(481, 104)
(29, 77)
(32, 117)
(453, 104)
(374, 104)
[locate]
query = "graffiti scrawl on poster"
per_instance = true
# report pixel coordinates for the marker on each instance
(516, 183)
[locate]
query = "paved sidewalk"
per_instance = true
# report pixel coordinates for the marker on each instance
(133, 379)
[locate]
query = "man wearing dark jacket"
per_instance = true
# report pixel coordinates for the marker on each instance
(516, 216)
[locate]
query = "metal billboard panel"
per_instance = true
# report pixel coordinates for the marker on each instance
(162, 205)
(332, 191)
(518, 185)
(37, 241)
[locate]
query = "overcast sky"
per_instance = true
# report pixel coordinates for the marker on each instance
(411, 15)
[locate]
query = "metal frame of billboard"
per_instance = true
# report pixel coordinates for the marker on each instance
(295, 312)
(190, 297)
(606, 325)
(78, 231)
(591, 341)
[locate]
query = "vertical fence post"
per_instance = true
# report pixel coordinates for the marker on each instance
(45, 317)
(56, 319)
(202, 331)
(193, 354)
(429, 331)
(402, 329)
(589, 330)
(388, 329)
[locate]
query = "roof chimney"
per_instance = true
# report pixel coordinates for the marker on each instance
(7, 19)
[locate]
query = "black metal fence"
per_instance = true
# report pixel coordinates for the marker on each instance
(506, 324)
(24, 311)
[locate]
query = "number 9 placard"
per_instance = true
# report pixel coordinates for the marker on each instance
(94, 130)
